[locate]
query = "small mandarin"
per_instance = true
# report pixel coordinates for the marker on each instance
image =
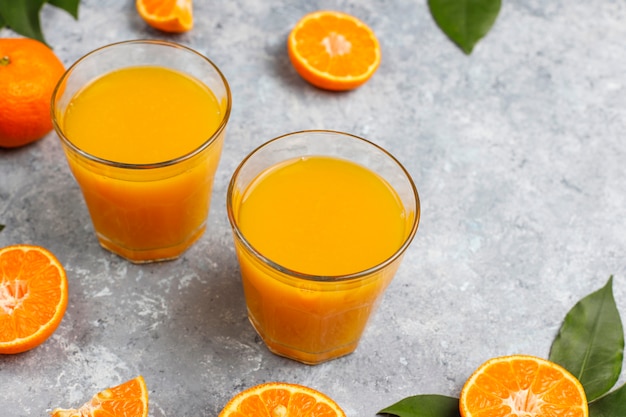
(333, 50)
(33, 297)
(522, 385)
(173, 16)
(281, 399)
(125, 400)
(29, 72)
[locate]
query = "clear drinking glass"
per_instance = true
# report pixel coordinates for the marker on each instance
(302, 314)
(144, 209)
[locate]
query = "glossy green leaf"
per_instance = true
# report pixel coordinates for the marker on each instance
(590, 342)
(70, 6)
(22, 16)
(611, 405)
(424, 406)
(465, 22)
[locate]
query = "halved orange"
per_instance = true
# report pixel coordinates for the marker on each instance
(129, 399)
(333, 50)
(524, 386)
(33, 296)
(167, 15)
(281, 399)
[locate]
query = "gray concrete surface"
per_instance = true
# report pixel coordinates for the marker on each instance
(518, 152)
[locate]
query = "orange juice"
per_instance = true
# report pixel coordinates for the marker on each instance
(142, 115)
(139, 120)
(326, 218)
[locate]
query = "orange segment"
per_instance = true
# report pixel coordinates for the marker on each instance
(167, 15)
(521, 385)
(129, 399)
(333, 50)
(281, 399)
(33, 297)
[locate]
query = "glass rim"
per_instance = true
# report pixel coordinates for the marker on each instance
(189, 155)
(312, 277)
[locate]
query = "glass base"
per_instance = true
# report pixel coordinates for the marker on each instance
(141, 256)
(307, 358)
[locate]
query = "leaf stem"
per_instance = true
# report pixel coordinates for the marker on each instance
(5, 60)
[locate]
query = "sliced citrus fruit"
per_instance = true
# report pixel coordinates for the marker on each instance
(167, 15)
(333, 50)
(129, 399)
(33, 297)
(522, 385)
(281, 399)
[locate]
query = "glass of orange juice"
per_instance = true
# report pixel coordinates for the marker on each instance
(320, 220)
(142, 125)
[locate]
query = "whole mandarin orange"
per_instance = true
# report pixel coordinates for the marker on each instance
(29, 71)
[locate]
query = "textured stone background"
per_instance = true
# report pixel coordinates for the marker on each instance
(518, 152)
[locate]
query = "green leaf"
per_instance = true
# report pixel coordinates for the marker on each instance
(70, 6)
(424, 406)
(611, 405)
(590, 342)
(465, 22)
(23, 17)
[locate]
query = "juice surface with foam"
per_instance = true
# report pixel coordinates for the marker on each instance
(319, 216)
